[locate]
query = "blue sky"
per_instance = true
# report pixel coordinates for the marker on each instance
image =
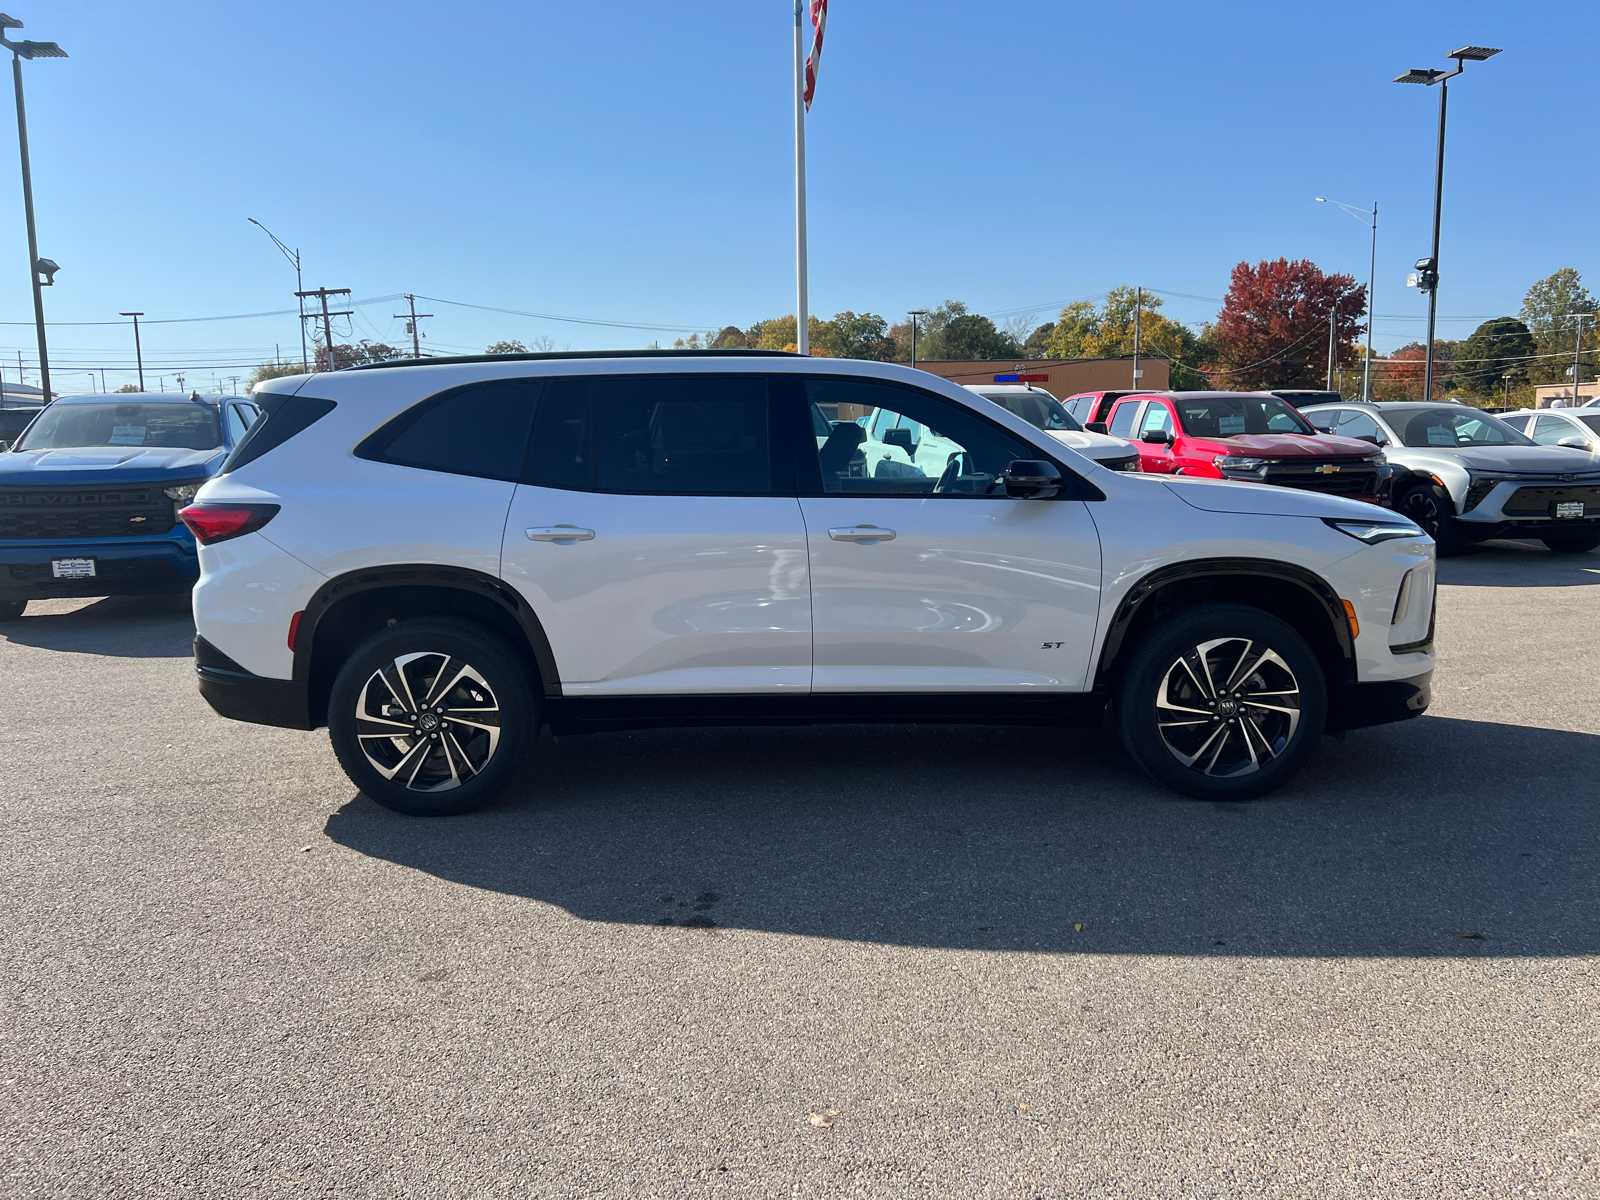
(633, 162)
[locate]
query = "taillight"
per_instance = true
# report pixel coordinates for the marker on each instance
(217, 522)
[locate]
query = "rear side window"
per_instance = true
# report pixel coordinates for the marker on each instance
(282, 417)
(480, 430)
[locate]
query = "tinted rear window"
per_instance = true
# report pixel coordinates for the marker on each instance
(479, 430)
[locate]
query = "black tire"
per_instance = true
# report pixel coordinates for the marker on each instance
(1430, 506)
(10, 610)
(1576, 543)
(1230, 750)
(494, 699)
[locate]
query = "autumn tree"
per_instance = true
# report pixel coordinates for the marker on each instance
(1085, 331)
(1273, 327)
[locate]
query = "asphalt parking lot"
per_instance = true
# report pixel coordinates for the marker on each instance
(813, 962)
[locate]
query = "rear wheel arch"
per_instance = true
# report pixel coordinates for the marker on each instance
(1299, 597)
(350, 608)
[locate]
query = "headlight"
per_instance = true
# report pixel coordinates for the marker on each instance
(1380, 459)
(1232, 462)
(1373, 532)
(186, 492)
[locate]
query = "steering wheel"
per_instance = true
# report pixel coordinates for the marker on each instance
(952, 471)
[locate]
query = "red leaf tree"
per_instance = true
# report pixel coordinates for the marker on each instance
(1273, 327)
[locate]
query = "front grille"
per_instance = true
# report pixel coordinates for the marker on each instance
(1536, 501)
(1356, 478)
(31, 514)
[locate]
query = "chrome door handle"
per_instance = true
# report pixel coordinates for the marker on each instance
(861, 533)
(560, 534)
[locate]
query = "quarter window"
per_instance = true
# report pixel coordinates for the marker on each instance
(479, 430)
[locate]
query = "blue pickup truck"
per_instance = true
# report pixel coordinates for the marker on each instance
(90, 493)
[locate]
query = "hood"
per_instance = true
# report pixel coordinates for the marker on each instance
(1264, 500)
(1283, 445)
(98, 464)
(1523, 460)
(1093, 445)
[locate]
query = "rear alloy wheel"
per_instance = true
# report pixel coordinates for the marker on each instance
(431, 717)
(10, 610)
(1576, 543)
(1430, 506)
(1222, 703)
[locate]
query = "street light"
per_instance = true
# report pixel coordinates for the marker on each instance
(1361, 214)
(36, 265)
(1428, 268)
(914, 314)
(294, 257)
(138, 351)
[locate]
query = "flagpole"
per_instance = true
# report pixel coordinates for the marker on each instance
(802, 322)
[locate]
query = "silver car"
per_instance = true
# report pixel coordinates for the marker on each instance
(1464, 475)
(1576, 427)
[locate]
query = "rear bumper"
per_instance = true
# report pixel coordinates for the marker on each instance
(123, 567)
(1382, 702)
(240, 696)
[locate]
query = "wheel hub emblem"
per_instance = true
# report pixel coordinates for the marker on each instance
(427, 722)
(1227, 708)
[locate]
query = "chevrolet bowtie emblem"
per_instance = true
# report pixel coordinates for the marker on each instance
(1326, 469)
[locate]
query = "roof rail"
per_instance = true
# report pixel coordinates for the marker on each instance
(560, 355)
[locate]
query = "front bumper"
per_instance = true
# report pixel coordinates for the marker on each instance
(123, 566)
(1533, 527)
(240, 696)
(1381, 702)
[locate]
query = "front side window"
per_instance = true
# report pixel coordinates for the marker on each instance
(915, 444)
(1325, 420)
(686, 435)
(170, 425)
(1122, 419)
(479, 430)
(1233, 416)
(1441, 427)
(1353, 423)
(240, 417)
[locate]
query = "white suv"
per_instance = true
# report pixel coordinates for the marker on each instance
(436, 560)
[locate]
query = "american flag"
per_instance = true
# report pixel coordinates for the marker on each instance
(819, 18)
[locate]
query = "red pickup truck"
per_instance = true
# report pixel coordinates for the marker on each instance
(1249, 436)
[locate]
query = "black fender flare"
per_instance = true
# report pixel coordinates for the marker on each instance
(425, 575)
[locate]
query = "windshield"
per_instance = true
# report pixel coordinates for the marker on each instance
(1038, 409)
(172, 425)
(1457, 427)
(1592, 422)
(1229, 416)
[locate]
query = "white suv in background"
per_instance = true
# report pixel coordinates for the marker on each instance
(1043, 411)
(434, 560)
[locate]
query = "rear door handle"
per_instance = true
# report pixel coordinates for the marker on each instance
(560, 534)
(861, 533)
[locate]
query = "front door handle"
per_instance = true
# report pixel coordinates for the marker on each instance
(563, 535)
(861, 533)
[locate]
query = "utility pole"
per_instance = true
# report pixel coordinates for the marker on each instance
(138, 353)
(1332, 314)
(234, 379)
(322, 294)
(1138, 308)
(1577, 354)
(411, 325)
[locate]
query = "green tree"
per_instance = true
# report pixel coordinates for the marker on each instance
(510, 347)
(130, 387)
(1078, 321)
(1037, 343)
(266, 371)
(731, 338)
(1547, 310)
(850, 336)
(345, 355)
(975, 337)
(1498, 348)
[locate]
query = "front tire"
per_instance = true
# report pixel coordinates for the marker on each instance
(10, 610)
(433, 717)
(1430, 506)
(1222, 703)
(1577, 543)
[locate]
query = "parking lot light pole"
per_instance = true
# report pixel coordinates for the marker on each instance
(1429, 267)
(914, 314)
(36, 265)
(294, 257)
(138, 352)
(1361, 214)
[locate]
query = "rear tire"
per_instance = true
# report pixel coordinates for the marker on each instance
(1222, 703)
(10, 610)
(433, 717)
(1577, 543)
(1430, 506)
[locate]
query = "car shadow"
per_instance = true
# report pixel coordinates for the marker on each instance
(1437, 837)
(1519, 564)
(117, 626)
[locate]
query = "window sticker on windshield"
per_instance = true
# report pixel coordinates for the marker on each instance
(127, 435)
(1441, 435)
(1228, 426)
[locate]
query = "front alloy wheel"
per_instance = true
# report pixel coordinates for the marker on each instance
(1228, 707)
(1431, 508)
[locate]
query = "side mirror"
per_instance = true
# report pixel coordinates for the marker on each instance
(899, 437)
(1372, 438)
(1575, 442)
(1156, 437)
(1095, 426)
(1032, 479)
